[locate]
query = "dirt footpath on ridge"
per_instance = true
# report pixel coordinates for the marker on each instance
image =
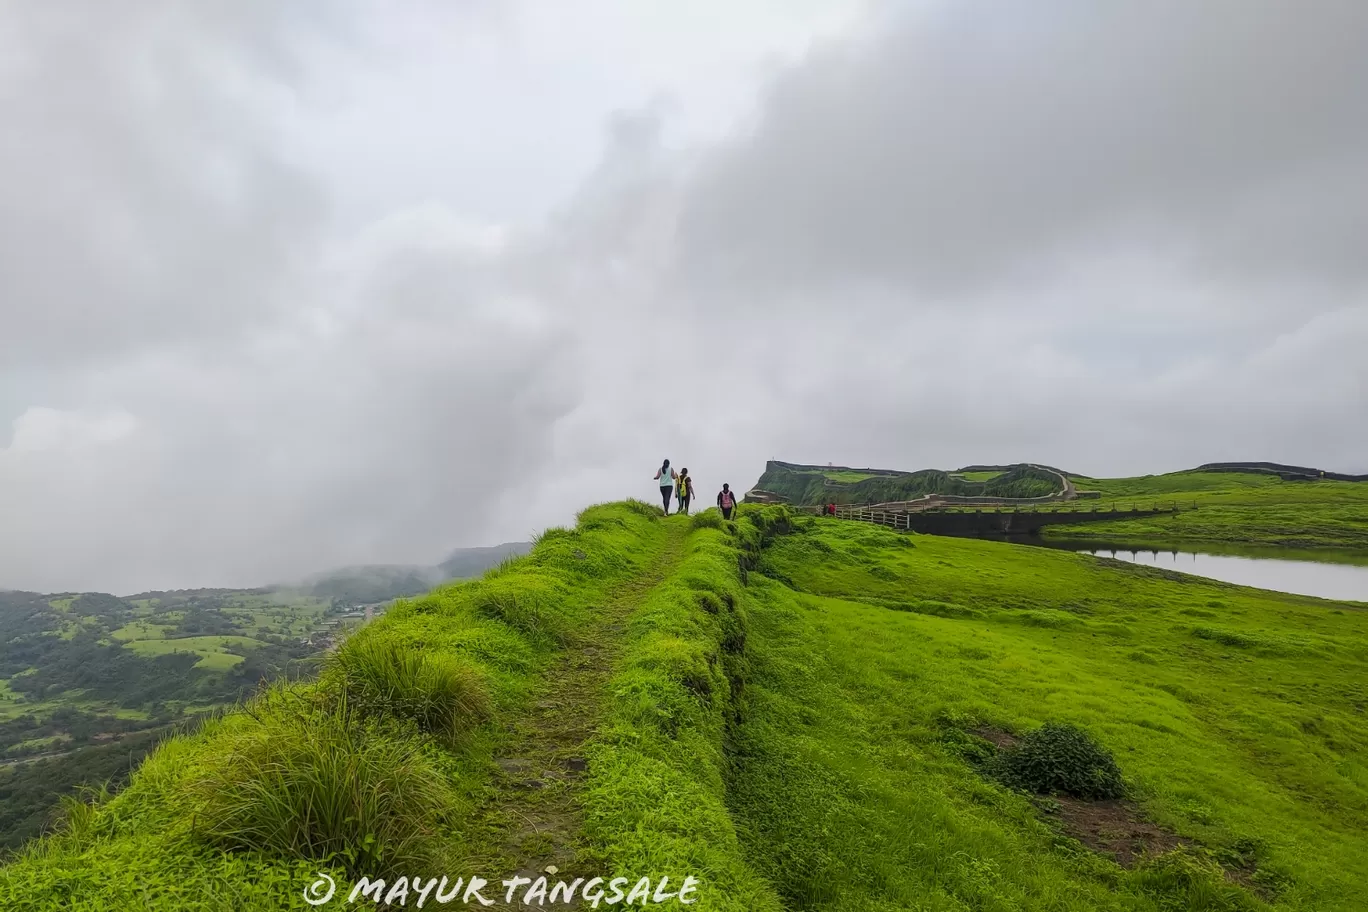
(535, 820)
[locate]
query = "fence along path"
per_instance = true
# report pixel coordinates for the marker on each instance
(1021, 520)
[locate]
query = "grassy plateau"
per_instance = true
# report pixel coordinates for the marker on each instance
(1237, 508)
(801, 713)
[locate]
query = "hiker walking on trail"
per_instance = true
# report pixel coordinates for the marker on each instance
(684, 490)
(666, 477)
(726, 501)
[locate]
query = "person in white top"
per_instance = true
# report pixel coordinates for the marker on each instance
(666, 477)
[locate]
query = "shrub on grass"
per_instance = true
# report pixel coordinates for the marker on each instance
(1187, 879)
(378, 677)
(326, 786)
(1047, 617)
(1226, 637)
(968, 747)
(1061, 758)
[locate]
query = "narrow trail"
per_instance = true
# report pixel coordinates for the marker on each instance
(535, 816)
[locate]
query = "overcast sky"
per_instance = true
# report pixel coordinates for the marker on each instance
(291, 286)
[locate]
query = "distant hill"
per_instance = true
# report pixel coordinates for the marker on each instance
(372, 583)
(807, 485)
(382, 582)
(1285, 472)
(464, 562)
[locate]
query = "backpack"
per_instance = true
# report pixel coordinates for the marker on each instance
(727, 500)
(683, 484)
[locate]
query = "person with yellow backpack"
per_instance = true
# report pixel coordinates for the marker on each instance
(684, 490)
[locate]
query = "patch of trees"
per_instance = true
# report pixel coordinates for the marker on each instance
(81, 726)
(109, 609)
(202, 621)
(24, 614)
(259, 664)
(30, 792)
(107, 670)
(112, 672)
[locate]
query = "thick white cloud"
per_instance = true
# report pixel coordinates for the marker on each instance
(988, 145)
(281, 294)
(142, 201)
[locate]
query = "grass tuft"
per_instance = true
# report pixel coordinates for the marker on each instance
(708, 519)
(324, 785)
(379, 677)
(642, 508)
(1187, 879)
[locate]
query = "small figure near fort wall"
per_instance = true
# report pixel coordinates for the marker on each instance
(726, 501)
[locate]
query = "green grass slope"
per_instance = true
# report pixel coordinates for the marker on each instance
(1237, 718)
(1238, 508)
(793, 711)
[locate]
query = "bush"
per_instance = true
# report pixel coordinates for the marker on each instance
(379, 677)
(325, 786)
(1226, 637)
(1061, 758)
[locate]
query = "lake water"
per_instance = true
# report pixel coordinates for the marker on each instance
(1343, 582)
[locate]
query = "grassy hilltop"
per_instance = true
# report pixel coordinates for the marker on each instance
(812, 485)
(802, 713)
